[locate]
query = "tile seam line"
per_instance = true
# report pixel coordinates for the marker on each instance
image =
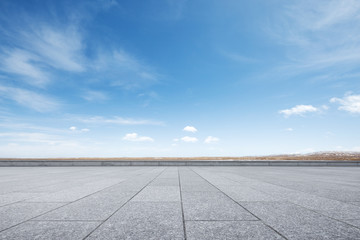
(223, 220)
(284, 187)
(122, 205)
(49, 193)
(280, 234)
(182, 206)
(66, 202)
(30, 219)
(312, 210)
(65, 220)
(338, 220)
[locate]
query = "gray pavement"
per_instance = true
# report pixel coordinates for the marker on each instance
(180, 202)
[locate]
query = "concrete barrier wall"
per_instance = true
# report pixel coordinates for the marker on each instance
(39, 163)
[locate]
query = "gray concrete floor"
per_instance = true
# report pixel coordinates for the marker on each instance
(180, 203)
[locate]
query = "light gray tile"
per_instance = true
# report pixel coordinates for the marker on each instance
(158, 194)
(295, 222)
(354, 222)
(143, 220)
(49, 230)
(95, 207)
(13, 214)
(212, 206)
(230, 230)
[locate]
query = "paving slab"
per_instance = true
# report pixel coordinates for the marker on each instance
(296, 222)
(49, 230)
(76, 192)
(143, 220)
(14, 197)
(158, 194)
(354, 222)
(150, 203)
(212, 206)
(230, 230)
(16, 213)
(99, 207)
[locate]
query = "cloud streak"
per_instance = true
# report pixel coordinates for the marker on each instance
(118, 121)
(29, 99)
(321, 35)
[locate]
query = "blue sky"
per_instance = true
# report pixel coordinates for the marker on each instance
(118, 78)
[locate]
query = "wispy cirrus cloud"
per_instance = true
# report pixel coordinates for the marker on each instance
(29, 99)
(93, 96)
(237, 57)
(118, 120)
(320, 35)
(37, 49)
(25, 65)
(31, 137)
(124, 70)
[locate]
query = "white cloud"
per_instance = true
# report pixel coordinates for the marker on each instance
(189, 139)
(175, 139)
(134, 137)
(29, 99)
(190, 129)
(298, 110)
(289, 129)
(349, 103)
(119, 121)
(75, 129)
(211, 139)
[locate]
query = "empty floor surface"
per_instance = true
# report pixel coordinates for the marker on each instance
(180, 203)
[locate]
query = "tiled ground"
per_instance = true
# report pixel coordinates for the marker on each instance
(180, 203)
